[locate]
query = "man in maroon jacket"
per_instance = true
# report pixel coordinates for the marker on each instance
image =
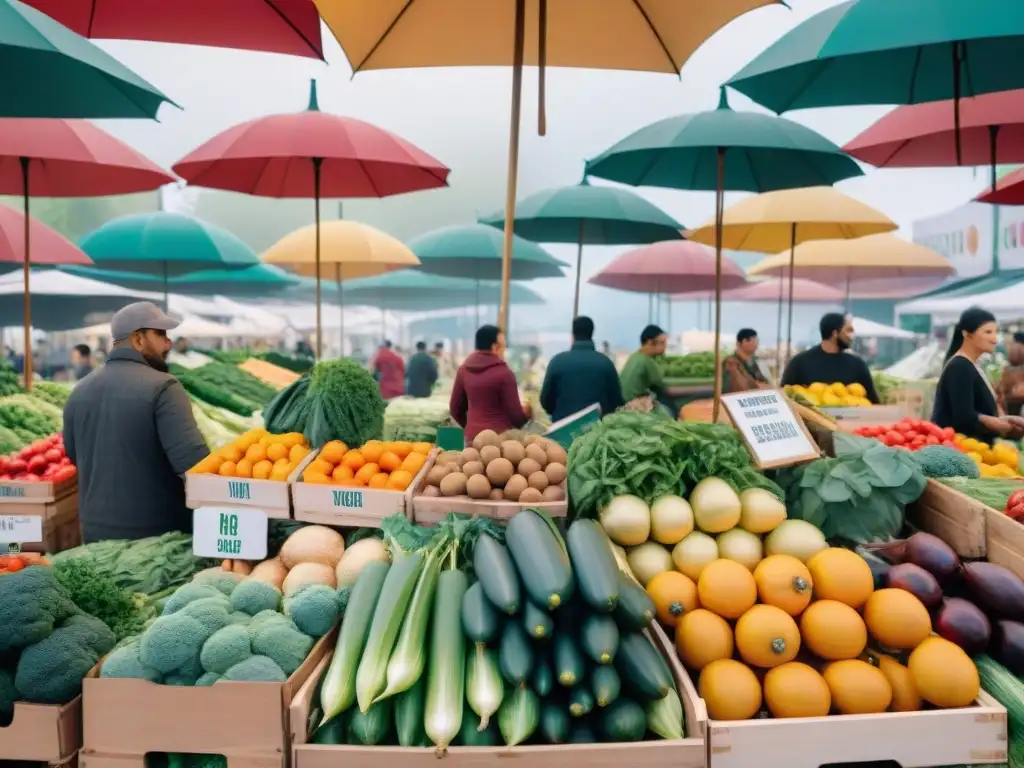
(485, 395)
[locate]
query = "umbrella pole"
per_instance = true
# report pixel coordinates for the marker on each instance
(28, 292)
(476, 306)
(579, 270)
(341, 309)
(849, 303)
(167, 291)
(317, 162)
(792, 266)
(650, 308)
(993, 133)
(513, 162)
(778, 332)
(719, 213)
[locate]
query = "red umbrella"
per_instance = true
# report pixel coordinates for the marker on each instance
(1009, 190)
(66, 158)
(274, 26)
(52, 248)
(311, 154)
(672, 267)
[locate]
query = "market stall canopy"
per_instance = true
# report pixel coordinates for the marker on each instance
(61, 301)
(1008, 190)
(348, 250)
(411, 290)
(52, 248)
(474, 251)
(262, 280)
(772, 289)
(673, 267)
(1005, 303)
(191, 327)
(869, 329)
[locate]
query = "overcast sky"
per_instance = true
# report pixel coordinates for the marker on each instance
(461, 116)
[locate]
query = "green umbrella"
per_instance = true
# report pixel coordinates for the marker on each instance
(586, 215)
(49, 71)
(474, 251)
(263, 280)
(724, 150)
(413, 290)
(891, 52)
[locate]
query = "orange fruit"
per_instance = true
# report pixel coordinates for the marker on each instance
(292, 439)
(413, 463)
(365, 472)
(321, 466)
(315, 478)
(372, 451)
(389, 462)
(256, 453)
(280, 472)
(399, 480)
(424, 448)
(231, 452)
(353, 459)
(261, 470)
(227, 469)
(209, 465)
(348, 484)
(401, 449)
(276, 452)
(266, 440)
(342, 473)
(297, 453)
(243, 468)
(334, 451)
(380, 480)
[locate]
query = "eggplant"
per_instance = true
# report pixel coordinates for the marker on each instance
(1008, 645)
(879, 567)
(923, 550)
(962, 622)
(998, 591)
(918, 582)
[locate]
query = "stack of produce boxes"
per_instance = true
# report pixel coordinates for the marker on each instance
(39, 497)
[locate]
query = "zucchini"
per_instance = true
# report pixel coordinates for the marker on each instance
(599, 638)
(640, 667)
(624, 720)
(497, 574)
(568, 661)
(537, 622)
(554, 723)
(332, 732)
(372, 675)
(470, 734)
(635, 610)
(597, 574)
(581, 701)
(605, 683)
(480, 619)
(665, 716)
(409, 715)
(515, 654)
(338, 691)
(541, 679)
(484, 686)
(540, 557)
(518, 716)
(446, 671)
(371, 727)
(582, 731)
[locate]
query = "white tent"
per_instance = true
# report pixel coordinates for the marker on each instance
(1005, 303)
(871, 330)
(191, 327)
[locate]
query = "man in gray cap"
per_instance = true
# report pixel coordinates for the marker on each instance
(129, 429)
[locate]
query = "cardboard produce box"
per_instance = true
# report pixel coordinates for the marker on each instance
(42, 516)
(271, 496)
(954, 517)
(43, 733)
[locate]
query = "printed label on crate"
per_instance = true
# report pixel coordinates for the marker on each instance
(347, 499)
(236, 534)
(21, 529)
(774, 434)
(239, 490)
(12, 492)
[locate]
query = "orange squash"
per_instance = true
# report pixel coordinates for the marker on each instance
(833, 630)
(730, 690)
(785, 582)
(703, 637)
(674, 595)
(796, 690)
(857, 687)
(905, 697)
(767, 636)
(943, 674)
(842, 575)
(727, 588)
(897, 619)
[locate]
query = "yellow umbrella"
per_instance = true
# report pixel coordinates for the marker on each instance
(780, 221)
(353, 249)
(648, 36)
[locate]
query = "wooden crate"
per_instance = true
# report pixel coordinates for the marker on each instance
(1005, 541)
(43, 733)
(60, 524)
(953, 516)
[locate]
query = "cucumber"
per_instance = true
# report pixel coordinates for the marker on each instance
(470, 736)
(554, 723)
(624, 720)
(497, 574)
(518, 716)
(635, 610)
(409, 715)
(568, 661)
(446, 668)
(640, 668)
(581, 701)
(599, 638)
(480, 619)
(371, 727)
(540, 557)
(593, 565)
(605, 683)
(332, 732)
(515, 654)
(582, 731)
(537, 623)
(542, 680)
(665, 716)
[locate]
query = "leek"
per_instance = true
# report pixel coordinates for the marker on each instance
(665, 716)
(484, 686)
(518, 716)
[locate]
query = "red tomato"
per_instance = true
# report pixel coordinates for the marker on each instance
(30, 477)
(932, 440)
(17, 466)
(36, 464)
(64, 474)
(4, 478)
(948, 433)
(27, 452)
(53, 455)
(894, 438)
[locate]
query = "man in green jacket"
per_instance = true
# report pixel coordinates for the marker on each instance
(641, 377)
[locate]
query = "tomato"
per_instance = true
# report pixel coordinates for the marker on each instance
(53, 455)
(64, 474)
(30, 477)
(36, 464)
(894, 438)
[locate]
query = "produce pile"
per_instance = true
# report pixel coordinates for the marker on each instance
(257, 455)
(10, 384)
(225, 386)
(546, 646)
(389, 466)
(272, 375)
(999, 460)
(53, 392)
(835, 395)
(416, 419)
(696, 365)
(43, 461)
(1014, 508)
(25, 419)
(526, 469)
(219, 426)
(993, 492)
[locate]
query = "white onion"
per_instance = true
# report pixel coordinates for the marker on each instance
(716, 506)
(761, 511)
(742, 546)
(648, 560)
(693, 553)
(627, 520)
(797, 538)
(671, 519)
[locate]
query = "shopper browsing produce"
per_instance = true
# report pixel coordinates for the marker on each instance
(641, 377)
(830, 361)
(389, 370)
(740, 372)
(964, 398)
(129, 429)
(581, 376)
(421, 372)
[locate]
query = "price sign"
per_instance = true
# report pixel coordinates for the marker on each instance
(21, 529)
(773, 433)
(229, 533)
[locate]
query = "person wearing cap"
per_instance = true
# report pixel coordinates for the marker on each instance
(129, 429)
(641, 377)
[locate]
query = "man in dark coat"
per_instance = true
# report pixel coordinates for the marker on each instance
(421, 372)
(485, 395)
(580, 377)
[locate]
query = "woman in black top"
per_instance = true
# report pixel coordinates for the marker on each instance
(964, 398)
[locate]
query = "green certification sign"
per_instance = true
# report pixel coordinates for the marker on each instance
(229, 533)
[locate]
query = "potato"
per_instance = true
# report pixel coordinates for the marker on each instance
(487, 437)
(437, 474)
(499, 471)
(531, 496)
(556, 454)
(513, 451)
(496, 494)
(556, 473)
(477, 487)
(454, 484)
(469, 455)
(528, 466)
(531, 439)
(538, 480)
(538, 454)
(449, 457)
(432, 491)
(554, 493)
(514, 487)
(489, 453)
(471, 468)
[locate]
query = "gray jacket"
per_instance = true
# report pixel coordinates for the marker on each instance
(130, 431)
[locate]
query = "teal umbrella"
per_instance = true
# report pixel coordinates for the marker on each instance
(411, 290)
(586, 215)
(167, 245)
(723, 150)
(263, 280)
(891, 52)
(49, 71)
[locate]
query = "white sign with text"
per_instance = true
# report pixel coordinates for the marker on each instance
(772, 431)
(230, 533)
(21, 529)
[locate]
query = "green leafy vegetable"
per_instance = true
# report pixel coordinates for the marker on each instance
(991, 491)
(346, 404)
(98, 595)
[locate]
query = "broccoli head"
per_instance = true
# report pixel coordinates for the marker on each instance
(91, 632)
(206, 679)
(225, 581)
(314, 608)
(263, 618)
(171, 642)
(188, 593)
(51, 671)
(182, 681)
(32, 603)
(282, 642)
(944, 461)
(253, 596)
(212, 612)
(240, 617)
(256, 669)
(124, 662)
(225, 648)
(192, 668)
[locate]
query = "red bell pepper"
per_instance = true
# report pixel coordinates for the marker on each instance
(1015, 506)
